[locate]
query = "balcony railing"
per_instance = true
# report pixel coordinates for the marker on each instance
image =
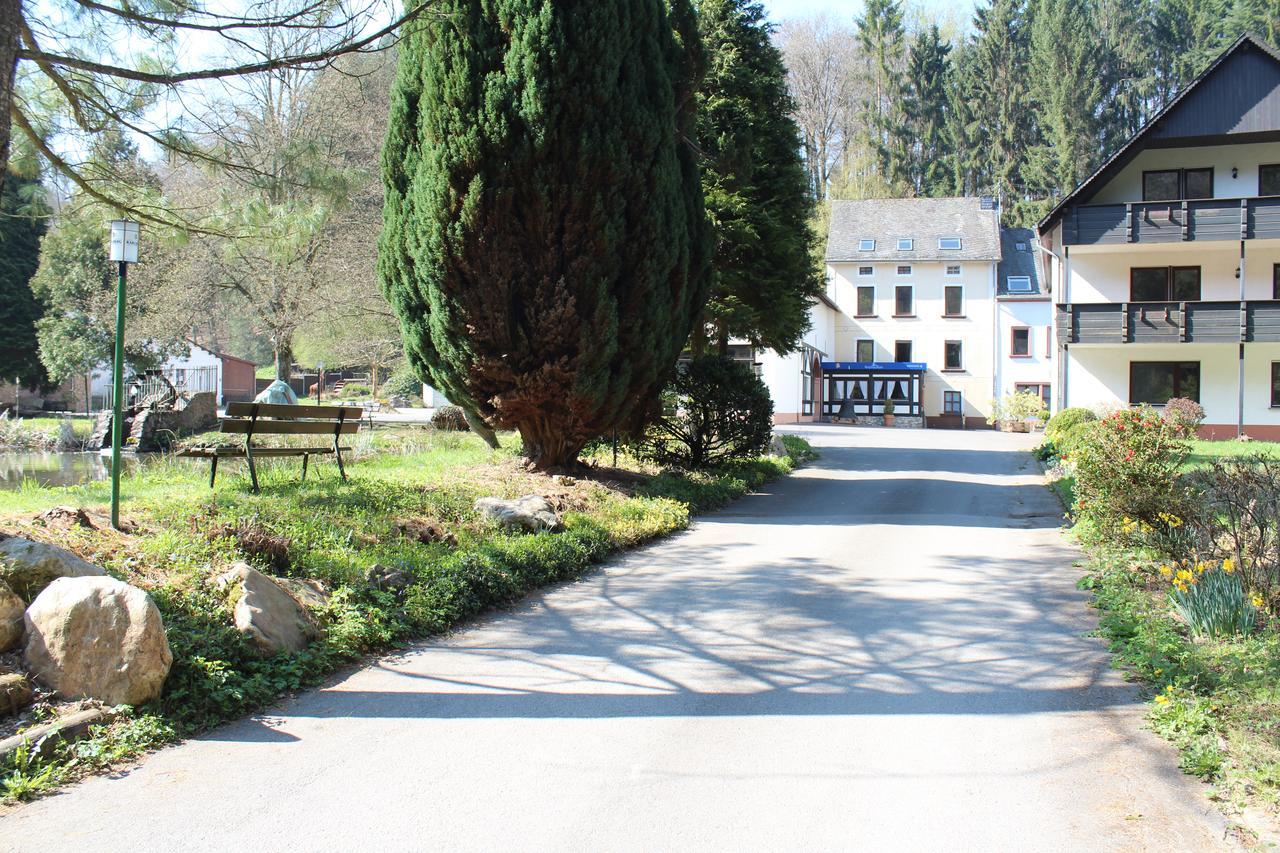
(1169, 322)
(1172, 221)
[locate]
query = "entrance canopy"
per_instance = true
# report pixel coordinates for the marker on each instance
(861, 387)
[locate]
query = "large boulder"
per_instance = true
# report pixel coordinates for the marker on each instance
(28, 567)
(98, 638)
(11, 609)
(270, 617)
(533, 513)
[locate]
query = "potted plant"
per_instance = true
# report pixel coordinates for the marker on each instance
(888, 413)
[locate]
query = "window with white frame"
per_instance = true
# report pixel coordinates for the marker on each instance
(1019, 284)
(905, 244)
(866, 271)
(866, 245)
(949, 243)
(953, 270)
(904, 269)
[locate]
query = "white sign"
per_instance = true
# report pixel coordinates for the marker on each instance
(124, 241)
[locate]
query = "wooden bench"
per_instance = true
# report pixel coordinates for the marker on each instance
(258, 419)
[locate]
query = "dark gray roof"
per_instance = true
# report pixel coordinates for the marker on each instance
(1018, 262)
(885, 220)
(1159, 127)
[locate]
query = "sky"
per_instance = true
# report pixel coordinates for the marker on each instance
(780, 10)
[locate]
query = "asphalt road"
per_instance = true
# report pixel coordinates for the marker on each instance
(884, 652)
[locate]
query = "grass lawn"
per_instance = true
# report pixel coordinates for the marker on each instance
(1203, 453)
(401, 483)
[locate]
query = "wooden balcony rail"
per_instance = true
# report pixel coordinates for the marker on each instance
(1172, 221)
(1168, 322)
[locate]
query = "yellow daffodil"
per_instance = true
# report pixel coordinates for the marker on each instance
(1184, 575)
(1162, 699)
(1201, 566)
(1168, 688)
(1159, 670)
(1255, 600)
(1166, 571)
(1228, 565)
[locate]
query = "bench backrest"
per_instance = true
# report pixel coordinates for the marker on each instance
(277, 419)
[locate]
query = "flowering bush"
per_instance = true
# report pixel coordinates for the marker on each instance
(1126, 467)
(1065, 420)
(1017, 407)
(1185, 415)
(1212, 599)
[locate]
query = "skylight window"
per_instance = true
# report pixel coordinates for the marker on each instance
(952, 243)
(866, 245)
(1019, 284)
(905, 244)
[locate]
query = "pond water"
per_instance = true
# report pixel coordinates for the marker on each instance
(56, 469)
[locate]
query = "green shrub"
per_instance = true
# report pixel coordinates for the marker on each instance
(798, 449)
(1238, 503)
(403, 382)
(1066, 420)
(1126, 470)
(716, 410)
(450, 418)
(1016, 407)
(1212, 599)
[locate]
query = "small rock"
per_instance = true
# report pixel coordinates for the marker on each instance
(11, 609)
(778, 447)
(533, 513)
(15, 692)
(564, 480)
(270, 617)
(28, 567)
(388, 578)
(99, 638)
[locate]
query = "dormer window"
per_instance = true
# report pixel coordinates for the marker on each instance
(905, 244)
(1020, 247)
(1019, 284)
(949, 243)
(866, 245)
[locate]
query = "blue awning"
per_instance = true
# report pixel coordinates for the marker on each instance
(875, 366)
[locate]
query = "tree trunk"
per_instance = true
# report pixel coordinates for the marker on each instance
(284, 356)
(547, 449)
(480, 428)
(722, 337)
(10, 30)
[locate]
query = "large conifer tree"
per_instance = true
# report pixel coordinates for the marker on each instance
(22, 223)
(755, 184)
(545, 244)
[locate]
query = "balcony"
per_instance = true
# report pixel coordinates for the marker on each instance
(1171, 221)
(1168, 322)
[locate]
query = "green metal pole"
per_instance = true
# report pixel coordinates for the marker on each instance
(117, 401)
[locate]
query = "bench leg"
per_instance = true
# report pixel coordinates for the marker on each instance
(337, 454)
(253, 471)
(213, 471)
(305, 457)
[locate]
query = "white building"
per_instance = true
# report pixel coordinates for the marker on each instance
(909, 314)
(1165, 263)
(1024, 319)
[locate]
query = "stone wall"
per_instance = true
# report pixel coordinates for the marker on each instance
(150, 431)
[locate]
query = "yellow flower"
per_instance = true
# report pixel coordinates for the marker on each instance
(1168, 688)
(1166, 571)
(1162, 699)
(1255, 600)
(1185, 575)
(1201, 566)
(1159, 670)
(1228, 565)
